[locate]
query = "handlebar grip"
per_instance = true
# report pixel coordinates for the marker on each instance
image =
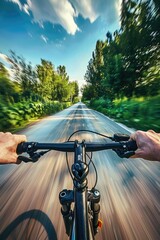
(27, 147)
(131, 145)
(128, 150)
(22, 147)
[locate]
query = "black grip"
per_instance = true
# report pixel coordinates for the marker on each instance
(28, 147)
(131, 145)
(22, 147)
(127, 150)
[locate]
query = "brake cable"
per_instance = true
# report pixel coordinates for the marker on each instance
(100, 134)
(90, 158)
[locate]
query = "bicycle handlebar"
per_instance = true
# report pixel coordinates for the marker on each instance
(123, 148)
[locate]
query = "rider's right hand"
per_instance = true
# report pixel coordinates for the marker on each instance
(148, 145)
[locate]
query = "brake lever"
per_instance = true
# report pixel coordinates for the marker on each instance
(127, 150)
(118, 137)
(34, 156)
(25, 159)
(123, 154)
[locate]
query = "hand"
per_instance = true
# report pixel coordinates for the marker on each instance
(8, 146)
(148, 145)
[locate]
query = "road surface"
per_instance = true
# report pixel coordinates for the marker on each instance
(130, 189)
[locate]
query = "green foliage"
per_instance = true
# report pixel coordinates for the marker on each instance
(16, 115)
(9, 91)
(76, 100)
(88, 92)
(40, 83)
(35, 93)
(55, 85)
(127, 63)
(74, 91)
(123, 74)
(141, 113)
(46, 76)
(3, 70)
(61, 70)
(66, 104)
(24, 74)
(94, 73)
(101, 102)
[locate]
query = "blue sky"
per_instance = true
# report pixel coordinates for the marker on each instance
(62, 31)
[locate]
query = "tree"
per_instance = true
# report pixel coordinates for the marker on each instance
(24, 74)
(87, 92)
(139, 43)
(156, 22)
(61, 89)
(94, 72)
(73, 90)
(3, 70)
(61, 70)
(8, 89)
(46, 76)
(127, 63)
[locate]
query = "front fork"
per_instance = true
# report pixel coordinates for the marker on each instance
(66, 198)
(94, 199)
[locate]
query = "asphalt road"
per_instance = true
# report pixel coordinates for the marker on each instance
(130, 189)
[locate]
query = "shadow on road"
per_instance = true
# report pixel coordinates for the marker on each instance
(35, 214)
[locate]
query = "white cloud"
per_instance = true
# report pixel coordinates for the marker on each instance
(26, 8)
(108, 10)
(64, 12)
(45, 39)
(54, 11)
(85, 8)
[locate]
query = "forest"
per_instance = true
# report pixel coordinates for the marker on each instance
(123, 75)
(28, 92)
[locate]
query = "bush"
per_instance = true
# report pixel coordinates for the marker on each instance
(76, 100)
(16, 115)
(139, 113)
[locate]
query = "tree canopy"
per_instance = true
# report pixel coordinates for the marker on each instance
(42, 82)
(127, 63)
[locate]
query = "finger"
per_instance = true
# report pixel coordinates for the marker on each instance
(132, 136)
(8, 133)
(133, 156)
(151, 131)
(20, 138)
